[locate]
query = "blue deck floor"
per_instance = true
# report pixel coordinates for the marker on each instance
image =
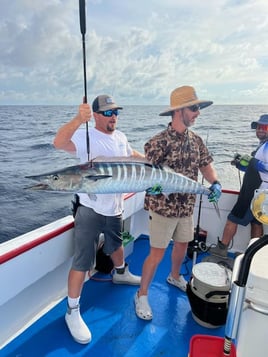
(108, 309)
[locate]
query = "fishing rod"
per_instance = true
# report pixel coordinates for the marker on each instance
(196, 244)
(239, 178)
(239, 174)
(82, 12)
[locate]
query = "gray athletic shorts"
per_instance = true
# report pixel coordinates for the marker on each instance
(163, 229)
(88, 226)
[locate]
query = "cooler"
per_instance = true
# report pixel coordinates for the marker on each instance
(253, 326)
(208, 293)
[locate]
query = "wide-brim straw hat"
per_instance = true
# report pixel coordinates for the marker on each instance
(183, 97)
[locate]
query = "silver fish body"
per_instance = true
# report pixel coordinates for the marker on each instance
(117, 175)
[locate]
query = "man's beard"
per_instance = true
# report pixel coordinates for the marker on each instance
(110, 128)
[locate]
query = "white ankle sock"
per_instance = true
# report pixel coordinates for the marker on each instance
(73, 302)
(121, 266)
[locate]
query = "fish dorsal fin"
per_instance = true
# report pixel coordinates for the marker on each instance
(128, 160)
(119, 159)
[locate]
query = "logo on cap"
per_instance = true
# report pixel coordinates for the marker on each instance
(109, 100)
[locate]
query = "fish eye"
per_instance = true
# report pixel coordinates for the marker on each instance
(55, 177)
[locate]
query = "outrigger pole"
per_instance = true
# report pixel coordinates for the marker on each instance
(82, 12)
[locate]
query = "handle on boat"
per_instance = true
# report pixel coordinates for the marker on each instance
(238, 293)
(216, 292)
(82, 13)
(254, 307)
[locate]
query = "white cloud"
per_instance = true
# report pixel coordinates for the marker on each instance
(137, 50)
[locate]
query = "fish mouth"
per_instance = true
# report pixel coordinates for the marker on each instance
(38, 187)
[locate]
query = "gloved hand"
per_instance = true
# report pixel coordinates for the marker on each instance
(241, 161)
(236, 159)
(245, 159)
(215, 193)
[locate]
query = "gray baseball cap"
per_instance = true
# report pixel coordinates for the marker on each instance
(104, 102)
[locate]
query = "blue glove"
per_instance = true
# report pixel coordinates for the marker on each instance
(215, 193)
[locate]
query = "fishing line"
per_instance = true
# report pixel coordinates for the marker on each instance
(239, 178)
(222, 162)
(82, 12)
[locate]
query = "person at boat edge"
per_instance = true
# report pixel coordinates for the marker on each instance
(255, 167)
(101, 213)
(171, 216)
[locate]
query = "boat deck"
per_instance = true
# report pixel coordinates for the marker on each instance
(108, 310)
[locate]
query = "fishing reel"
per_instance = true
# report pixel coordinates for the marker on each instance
(241, 161)
(259, 206)
(198, 244)
(236, 159)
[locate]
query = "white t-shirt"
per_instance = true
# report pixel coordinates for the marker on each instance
(100, 144)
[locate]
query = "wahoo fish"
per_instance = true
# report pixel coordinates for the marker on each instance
(117, 175)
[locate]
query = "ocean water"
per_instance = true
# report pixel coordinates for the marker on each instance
(26, 136)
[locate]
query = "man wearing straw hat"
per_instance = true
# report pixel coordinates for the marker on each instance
(171, 217)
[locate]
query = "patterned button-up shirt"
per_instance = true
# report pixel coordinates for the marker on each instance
(184, 153)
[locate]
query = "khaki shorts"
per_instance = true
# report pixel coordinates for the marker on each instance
(163, 229)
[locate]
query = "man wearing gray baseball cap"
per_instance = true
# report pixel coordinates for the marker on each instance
(95, 214)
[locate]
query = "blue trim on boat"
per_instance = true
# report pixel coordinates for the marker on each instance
(108, 309)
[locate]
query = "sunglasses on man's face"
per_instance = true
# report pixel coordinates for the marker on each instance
(109, 113)
(262, 127)
(194, 108)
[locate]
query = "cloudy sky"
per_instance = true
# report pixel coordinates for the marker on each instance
(137, 50)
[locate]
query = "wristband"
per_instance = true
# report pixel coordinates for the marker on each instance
(216, 182)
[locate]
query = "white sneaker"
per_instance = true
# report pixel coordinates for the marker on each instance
(77, 326)
(125, 277)
(142, 307)
(180, 283)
